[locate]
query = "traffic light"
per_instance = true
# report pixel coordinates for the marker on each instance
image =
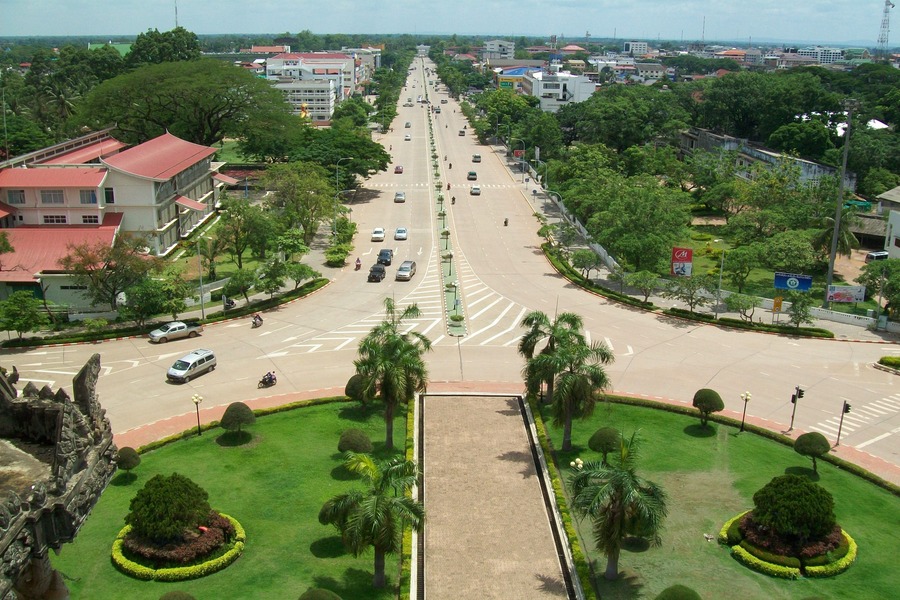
(846, 407)
(793, 398)
(800, 393)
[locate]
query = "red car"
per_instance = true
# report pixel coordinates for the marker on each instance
(398, 169)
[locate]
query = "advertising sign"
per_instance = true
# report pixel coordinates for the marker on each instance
(682, 261)
(518, 153)
(790, 281)
(846, 293)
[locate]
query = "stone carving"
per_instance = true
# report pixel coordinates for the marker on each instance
(60, 457)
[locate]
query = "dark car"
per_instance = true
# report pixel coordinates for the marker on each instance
(377, 273)
(385, 256)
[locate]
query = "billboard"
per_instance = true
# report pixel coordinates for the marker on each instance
(846, 293)
(790, 281)
(682, 262)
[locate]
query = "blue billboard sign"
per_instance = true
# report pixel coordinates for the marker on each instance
(790, 281)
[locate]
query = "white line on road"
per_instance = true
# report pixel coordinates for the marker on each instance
(877, 438)
(609, 343)
(56, 372)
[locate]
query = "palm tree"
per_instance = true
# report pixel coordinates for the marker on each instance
(619, 502)
(580, 378)
(847, 240)
(564, 327)
(376, 516)
(390, 360)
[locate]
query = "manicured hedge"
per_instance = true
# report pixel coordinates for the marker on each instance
(730, 534)
(890, 361)
(769, 557)
(138, 571)
(840, 565)
(567, 271)
(761, 566)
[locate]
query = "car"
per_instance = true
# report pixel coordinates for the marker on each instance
(408, 104)
(191, 365)
(378, 234)
(377, 273)
(877, 255)
(476, 158)
(399, 196)
(401, 233)
(462, 133)
(408, 125)
(443, 101)
(472, 176)
(407, 137)
(398, 169)
(475, 191)
(437, 109)
(175, 330)
(406, 271)
(385, 256)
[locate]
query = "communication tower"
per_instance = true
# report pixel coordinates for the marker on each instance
(885, 29)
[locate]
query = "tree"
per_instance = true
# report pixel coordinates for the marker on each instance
(619, 503)
(22, 312)
(169, 46)
(810, 139)
(303, 195)
(167, 507)
(693, 291)
(291, 243)
(846, 241)
(813, 445)
(882, 277)
(707, 401)
(143, 300)
(127, 458)
(201, 101)
(795, 508)
(375, 517)
(565, 328)
(240, 224)
(209, 249)
(740, 262)
(240, 283)
(236, 416)
(645, 282)
(299, 272)
(391, 361)
(743, 304)
(580, 378)
(604, 441)
(357, 389)
(108, 270)
(271, 277)
(586, 260)
(800, 310)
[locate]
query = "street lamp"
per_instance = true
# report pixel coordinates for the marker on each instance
(197, 399)
(746, 398)
(337, 165)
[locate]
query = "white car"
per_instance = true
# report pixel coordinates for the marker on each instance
(401, 234)
(407, 138)
(399, 196)
(475, 191)
(378, 234)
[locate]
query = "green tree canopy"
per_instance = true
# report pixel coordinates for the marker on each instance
(22, 312)
(236, 416)
(167, 507)
(707, 401)
(154, 47)
(795, 508)
(812, 444)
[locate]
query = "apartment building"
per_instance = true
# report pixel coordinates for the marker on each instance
(555, 88)
(636, 48)
(498, 49)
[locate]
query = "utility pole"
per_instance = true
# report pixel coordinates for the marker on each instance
(798, 393)
(849, 106)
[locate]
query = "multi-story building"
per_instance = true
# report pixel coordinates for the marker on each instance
(498, 49)
(650, 71)
(636, 48)
(342, 69)
(555, 88)
(311, 98)
(822, 55)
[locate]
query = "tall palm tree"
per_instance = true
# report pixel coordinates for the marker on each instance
(847, 240)
(580, 379)
(619, 502)
(390, 360)
(377, 515)
(566, 326)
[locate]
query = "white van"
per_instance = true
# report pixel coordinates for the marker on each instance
(877, 255)
(191, 365)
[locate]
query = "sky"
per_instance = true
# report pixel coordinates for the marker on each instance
(851, 22)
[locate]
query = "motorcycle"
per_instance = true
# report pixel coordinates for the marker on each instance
(268, 380)
(229, 303)
(257, 322)
(358, 264)
(505, 222)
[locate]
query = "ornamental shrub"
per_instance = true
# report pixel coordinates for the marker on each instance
(236, 415)
(678, 592)
(166, 507)
(707, 401)
(762, 566)
(355, 440)
(605, 440)
(127, 458)
(176, 595)
(795, 509)
(319, 594)
(812, 444)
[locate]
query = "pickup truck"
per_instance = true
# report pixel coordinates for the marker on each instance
(175, 330)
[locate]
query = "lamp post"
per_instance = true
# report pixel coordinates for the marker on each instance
(197, 399)
(746, 398)
(337, 183)
(849, 105)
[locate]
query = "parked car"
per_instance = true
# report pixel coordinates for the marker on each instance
(175, 330)
(399, 196)
(378, 234)
(377, 273)
(475, 191)
(385, 256)
(406, 271)
(191, 365)
(398, 169)
(401, 233)
(472, 176)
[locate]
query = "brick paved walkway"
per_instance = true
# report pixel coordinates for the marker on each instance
(487, 530)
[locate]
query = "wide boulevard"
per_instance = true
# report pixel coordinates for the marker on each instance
(502, 274)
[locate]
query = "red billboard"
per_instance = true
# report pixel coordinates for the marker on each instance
(682, 261)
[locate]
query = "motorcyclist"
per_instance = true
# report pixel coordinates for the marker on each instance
(450, 166)
(448, 186)
(257, 320)
(453, 200)
(358, 264)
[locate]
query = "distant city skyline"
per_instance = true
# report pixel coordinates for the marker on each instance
(843, 22)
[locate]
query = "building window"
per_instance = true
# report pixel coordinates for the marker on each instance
(109, 195)
(88, 196)
(52, 197)
(90, 220)
(15, 196)
(54, 219)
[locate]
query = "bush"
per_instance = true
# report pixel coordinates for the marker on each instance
(237, 415)
(890, 361)
(355, 440)
(678, 592)
(218, 531)
(127, 458)
(176, 595)
(319, 594)
(770, 557)
(838, 566)
(605, 440)
(336, 256)
(812, 444)
(764, 567)
(707, 401)
(794, 508)
(166, 507)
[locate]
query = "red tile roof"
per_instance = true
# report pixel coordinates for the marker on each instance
(88, 153)
(225, 179)
(52, 178)
(189, 203)
(160, 158)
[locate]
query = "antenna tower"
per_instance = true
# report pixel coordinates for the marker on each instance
(885, 29)
(176, 14)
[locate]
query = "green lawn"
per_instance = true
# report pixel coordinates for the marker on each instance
(711, 479)
(274, 486)
(228, 152)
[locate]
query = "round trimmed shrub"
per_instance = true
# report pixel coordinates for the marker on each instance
(707, 401)
(166, 507)
(605, 440)
(355, 440)
(176, 595)
(236, 416)
(127, 458)
(813, 445)
(678, 592)
(319, 594)
(794, 508)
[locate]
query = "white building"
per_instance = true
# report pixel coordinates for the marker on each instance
(636, 48)
(312, 98)
(498, 49)
(556, 88)
(823, 55)
(338, 67)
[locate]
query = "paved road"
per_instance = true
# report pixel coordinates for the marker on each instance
(311, 343)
